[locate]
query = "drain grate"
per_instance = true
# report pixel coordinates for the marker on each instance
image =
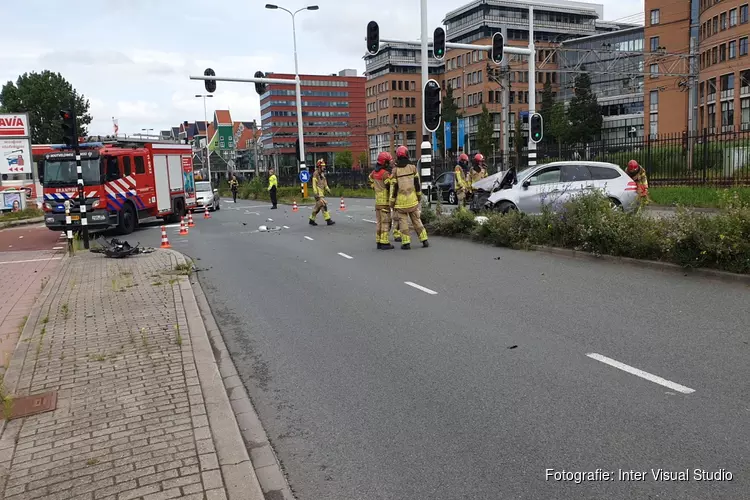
(31, 405)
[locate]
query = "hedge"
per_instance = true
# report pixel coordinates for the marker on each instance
(588, 223)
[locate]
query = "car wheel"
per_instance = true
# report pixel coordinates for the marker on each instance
(452, 197)
(128, 220)
(615, 204)
(218, 204)
(505, 207)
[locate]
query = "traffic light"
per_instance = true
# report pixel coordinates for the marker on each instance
(432, 109)
(536, 127)
(497, 48)
(260, 88)
(210, 84)
(438, 43)
(373, 37)
(69, 127)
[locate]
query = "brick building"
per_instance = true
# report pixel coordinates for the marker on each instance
(333, 108)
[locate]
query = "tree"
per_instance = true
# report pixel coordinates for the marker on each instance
(583, 112)
(558, 125)
(344, 159)
(548, 102)
(363, 160)
(449, 113)
(43, 95)
(485, 129)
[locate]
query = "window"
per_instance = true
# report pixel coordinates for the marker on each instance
(654, 43)
(113, 169)
(602, 173)
(727, 86)
(545, 176)
(654, 70)
(140, 167)
(712, 116)
(653, 122)
(745, 113)
(575, 173)
(715, 21)
(727, 115)
(723, 21)
(743, 46)
(733, 18)
(712, 89)
(743, 14)
(126, 167)
(732, 49)
(655, 15)
(722, 52)
(653, 101)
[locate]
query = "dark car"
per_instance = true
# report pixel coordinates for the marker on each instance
(443, 187)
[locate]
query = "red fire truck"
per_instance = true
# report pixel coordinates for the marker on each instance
(125, 182)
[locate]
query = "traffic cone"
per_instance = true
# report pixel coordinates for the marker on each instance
(342, 206)
(295, 208)
(164, 239)
(183, 227)
(190, 219)
(206, 215)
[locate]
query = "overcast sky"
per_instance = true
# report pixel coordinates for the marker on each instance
(132, 58)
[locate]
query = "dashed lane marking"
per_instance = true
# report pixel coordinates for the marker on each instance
(640, 373)
(345, 255)
(30, 260)
(285, 227)
(57, 248)
(420, 287)
(308, 238)
(370, 221)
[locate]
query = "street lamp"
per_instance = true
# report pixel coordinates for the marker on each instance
(298, 90)
(205, 117)
(147, 130)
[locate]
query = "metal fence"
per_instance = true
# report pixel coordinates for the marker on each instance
(702, 159)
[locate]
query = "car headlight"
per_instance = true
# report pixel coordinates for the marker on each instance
(49, 205)
(96, 203)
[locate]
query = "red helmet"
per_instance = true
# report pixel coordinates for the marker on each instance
(633, 166)
(402, 152)
(478, 158)
(463, 157)
(384, 157)
(321, 163)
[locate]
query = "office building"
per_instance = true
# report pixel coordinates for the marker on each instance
(333, 110)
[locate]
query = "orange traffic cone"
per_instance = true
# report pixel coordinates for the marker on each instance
(183, 227)
(295, 208)
(164, 239)
(190, 219)
(342, 206)
(206, 215)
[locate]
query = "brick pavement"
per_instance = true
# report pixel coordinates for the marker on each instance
(120, 341)
(22, 275)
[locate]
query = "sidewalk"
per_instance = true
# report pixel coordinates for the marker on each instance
(141, 410)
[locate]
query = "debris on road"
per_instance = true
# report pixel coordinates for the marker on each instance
(116, 249)
(264, 229)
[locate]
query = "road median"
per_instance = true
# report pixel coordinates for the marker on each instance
(119, 350)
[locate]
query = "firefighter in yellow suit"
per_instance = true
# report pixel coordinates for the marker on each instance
(380, 180)
(460, 185)
(476, 173)
(320, 188)
(406, 194)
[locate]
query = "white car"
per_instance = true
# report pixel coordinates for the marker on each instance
(207, 198)
(552, 185)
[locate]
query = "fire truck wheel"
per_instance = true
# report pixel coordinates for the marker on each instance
(127, 220)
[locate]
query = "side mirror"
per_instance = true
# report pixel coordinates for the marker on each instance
(526, 184)
(216, 191)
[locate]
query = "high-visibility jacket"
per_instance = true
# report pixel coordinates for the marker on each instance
(474, 176)
(320, 184)
(641, 181)
(405, 186)
(233, 184)
(272, 182)
(381, 183)
(459, 180)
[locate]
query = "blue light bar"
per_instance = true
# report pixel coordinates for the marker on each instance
(83, 145)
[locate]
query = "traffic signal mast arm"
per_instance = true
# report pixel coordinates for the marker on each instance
(244, 80)
(520, 51)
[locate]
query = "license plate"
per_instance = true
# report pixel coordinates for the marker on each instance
(75, 217)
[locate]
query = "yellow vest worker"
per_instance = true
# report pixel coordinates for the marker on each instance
(460, 185)
(380, 180)
(406, 193)
(320, 188)
(273, 184)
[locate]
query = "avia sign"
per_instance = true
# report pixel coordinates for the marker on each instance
(14, 125)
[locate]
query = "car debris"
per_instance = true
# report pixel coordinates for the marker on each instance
(116, 249)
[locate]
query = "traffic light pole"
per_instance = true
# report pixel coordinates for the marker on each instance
(81, 190)
(532, 86)
(425, 173)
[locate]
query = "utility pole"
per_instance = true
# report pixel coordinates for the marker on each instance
(257, 155)
(505, 79)
(532, 85)
(205, 117)
(425, 173)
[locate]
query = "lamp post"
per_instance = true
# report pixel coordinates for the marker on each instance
(298, 91)
(205, 117)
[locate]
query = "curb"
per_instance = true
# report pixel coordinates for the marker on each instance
(267, 468)
(672, 208)
(22, 222)
(651, 264)
(240, 480)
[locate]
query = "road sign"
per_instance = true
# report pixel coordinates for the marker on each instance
(304, 176)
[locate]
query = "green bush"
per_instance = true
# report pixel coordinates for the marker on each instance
(588, 223)
(28, 213)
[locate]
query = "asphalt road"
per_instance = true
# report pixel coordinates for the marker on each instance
(462, 371)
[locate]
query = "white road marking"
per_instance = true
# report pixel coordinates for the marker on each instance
(286, 227)
(640, 373)
(20, 237)
(345, 256)
(370, 221)
(31, 260)
(308, 238)
(420, 287)
(57, 248)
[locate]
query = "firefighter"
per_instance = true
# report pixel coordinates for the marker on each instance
(320, 188)
(273, 185)
(233, 185)
(406, 194)
(638, 174)
(459, 179)
(380, 180)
